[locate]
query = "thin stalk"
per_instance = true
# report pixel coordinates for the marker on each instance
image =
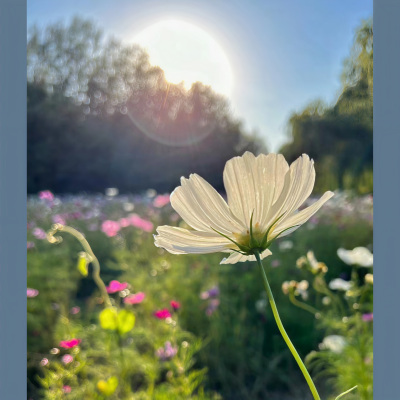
(302, 305)
(93, 259)
(282, 329)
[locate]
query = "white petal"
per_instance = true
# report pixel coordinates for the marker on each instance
(201, 206)
(299, 183)
(182, 241)
(253, 183)
(301, 217)
(237, 257)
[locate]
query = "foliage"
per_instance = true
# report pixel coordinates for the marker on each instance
(344, 313)
(228, 344)
(339, 138)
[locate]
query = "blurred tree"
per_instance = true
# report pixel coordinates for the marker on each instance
(339, 138)
(100, 115)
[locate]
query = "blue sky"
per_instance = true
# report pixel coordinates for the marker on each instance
(283, 53)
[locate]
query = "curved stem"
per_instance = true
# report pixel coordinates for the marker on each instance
(282, 329)
(302, 305)
(347, 391)
(93, 259)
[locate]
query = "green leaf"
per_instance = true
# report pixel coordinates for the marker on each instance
(126, 321)
(83, 264)
(109, 319)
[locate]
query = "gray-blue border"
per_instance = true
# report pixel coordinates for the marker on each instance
(12, 199)
(386, 199)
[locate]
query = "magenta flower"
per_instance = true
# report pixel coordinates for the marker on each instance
(30, 245)
(67, 389)
(368, 317)
(161, 200)
(67, 358)
(39, 233)
(46, 195)
(115, 286)
(134, 298)
(141, 223)
(175, 305)
(32, 292)
(162, 314)
(167, 352)
(110, 228)
(69, 344)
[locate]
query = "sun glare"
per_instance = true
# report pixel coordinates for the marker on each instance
(187, 54)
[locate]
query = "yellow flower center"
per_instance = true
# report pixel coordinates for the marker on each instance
(244, 238)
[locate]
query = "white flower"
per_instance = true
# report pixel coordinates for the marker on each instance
(369, 278)
(334, 343)
(262, 190)
(359, 256)
(340, 284)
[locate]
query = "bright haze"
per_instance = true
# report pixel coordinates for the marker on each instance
(269, 58)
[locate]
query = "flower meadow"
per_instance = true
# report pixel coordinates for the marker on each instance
(165, 326)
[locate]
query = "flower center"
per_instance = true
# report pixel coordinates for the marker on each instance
(251, 242)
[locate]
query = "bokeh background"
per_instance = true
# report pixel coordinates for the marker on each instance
(112, 128)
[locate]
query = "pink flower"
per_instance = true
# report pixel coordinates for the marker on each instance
(67, 358)
(161, 200)
(46, 195)
(67, 389)
(167, 352)
(141, 223)
(134, 298)
(44, 362)
(32, 292)
(110, 228)
(162, 314)
(175, 305)
(39, 233)
(69, 344)
(368, 317)
(30, 245)
(115, 286)
(75, 310)
(124, 222)
(58, 219)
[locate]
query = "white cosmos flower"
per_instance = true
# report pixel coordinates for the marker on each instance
(334, 343)
(359, 256)
(340, 284)
(262, 190)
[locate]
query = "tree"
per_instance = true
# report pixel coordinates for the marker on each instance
(100, 115)
(339, 138)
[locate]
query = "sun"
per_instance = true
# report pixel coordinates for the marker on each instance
(187, 54)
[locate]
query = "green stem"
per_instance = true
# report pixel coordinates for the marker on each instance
(302, 305)
(282, 329)
(347, 391)
(93, 259)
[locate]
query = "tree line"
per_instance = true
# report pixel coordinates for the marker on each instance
(100, 115)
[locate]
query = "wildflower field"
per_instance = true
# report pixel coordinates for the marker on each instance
(185, 326)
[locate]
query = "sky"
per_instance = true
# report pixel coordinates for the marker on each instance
(283, 53)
